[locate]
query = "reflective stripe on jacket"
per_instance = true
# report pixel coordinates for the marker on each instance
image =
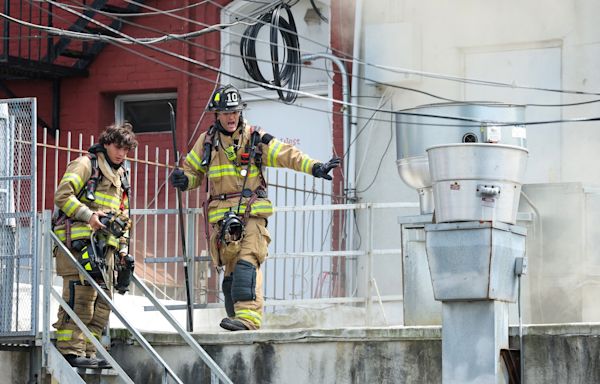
(226, 176)
(109, 196)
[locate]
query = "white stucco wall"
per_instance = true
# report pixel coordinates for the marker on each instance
(552, 44)
(450, 34)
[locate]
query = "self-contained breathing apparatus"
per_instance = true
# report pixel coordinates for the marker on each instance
(232, 228)
(92, 252)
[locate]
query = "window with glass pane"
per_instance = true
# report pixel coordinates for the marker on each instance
(148, 115)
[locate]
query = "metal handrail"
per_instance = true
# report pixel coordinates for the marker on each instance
(136, 334)
(91, 337)
(215, 369)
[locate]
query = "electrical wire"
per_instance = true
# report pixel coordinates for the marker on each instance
(141, 14)
(254, 69)
(359, 106)
(248, 54)
(380, 162)
(222, 26)
(258, 11)
(289, 74)
(402, 70)
(382, 102)
(195, 75)
(415, 114)
(318, 11)
(207, 66)
(437, 75)
(109, 39)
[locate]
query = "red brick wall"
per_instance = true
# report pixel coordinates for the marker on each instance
(87, 104)
(342, 37)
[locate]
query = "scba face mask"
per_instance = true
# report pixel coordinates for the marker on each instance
(117, 223)
(231, 236)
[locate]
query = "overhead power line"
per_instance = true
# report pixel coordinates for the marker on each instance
(220, 27)
(349, 59)
(141, 14)
(110, 39)
(375, 110)
(256, 25)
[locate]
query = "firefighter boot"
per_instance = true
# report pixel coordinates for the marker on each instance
(102, 363)
(80, 361)
(233, 325)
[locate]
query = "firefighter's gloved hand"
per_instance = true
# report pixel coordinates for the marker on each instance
(322, 169)
(125, 265)
(179, 180)
(95, 222)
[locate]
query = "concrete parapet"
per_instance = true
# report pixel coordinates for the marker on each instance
(554, 353)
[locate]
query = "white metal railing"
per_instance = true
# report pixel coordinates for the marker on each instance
(321, 252)
(365, 256)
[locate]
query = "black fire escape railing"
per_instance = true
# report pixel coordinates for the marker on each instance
(29, 52)
(25, 49)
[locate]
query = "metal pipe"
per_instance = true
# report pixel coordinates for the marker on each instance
(351, 172)
(345, 97)
(369, 267)
(46, 284)
(33, 201)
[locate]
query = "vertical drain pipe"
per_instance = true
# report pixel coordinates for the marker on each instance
(356, 46)
(349, 179)
(345, 91)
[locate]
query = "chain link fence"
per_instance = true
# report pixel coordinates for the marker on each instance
(19, 272)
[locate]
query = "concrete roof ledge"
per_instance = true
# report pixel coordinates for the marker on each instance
(565, 329)
(293, 335)
(350, 334)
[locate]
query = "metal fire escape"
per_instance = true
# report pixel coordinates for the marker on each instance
(28, 52)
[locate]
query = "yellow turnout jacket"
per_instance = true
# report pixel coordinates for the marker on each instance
(225, 172)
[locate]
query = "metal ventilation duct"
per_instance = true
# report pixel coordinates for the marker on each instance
(429, 125)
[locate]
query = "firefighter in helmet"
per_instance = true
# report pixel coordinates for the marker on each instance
(232, 154)
(91, 218)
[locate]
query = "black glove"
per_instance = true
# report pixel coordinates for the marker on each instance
(125, 264)
(322, 170)
(179, 180)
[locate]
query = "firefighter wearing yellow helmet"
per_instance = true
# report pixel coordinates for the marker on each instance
(232, 154)
(92, 220)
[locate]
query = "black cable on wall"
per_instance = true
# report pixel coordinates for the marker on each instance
(286, 75)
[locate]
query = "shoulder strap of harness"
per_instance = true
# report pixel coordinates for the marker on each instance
(88, 189)
(208, 146)
(92, 182)
(257, 144)
(125, 182)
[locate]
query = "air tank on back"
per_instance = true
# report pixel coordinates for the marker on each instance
(448, 123)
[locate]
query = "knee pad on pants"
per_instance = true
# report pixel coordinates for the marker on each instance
(243, 287)
(85, 297)
(101, 315)
(227, 281)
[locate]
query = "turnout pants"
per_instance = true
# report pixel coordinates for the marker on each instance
(243, 281)
(86, 303)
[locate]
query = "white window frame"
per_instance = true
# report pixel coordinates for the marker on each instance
(120, 100)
